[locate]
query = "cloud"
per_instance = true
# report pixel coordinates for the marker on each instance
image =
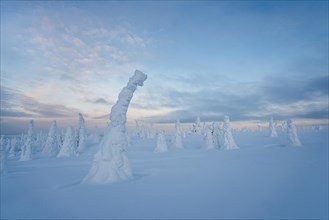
(82, 52)
(15, 114)
(282, 97)
(30, 107)
(101, 101)
(106, 116)
(288, 90)
(47, 110)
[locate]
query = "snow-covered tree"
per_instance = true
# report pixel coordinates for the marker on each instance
(41, 138)
(161, 143)
(13, 147)
(3, 156)
(197, 128)
(52, 145)
(292, 134)
(259, 128)
(81, 134)
(68, 147)
(217, 134)
(178, 135)
(21, 142)
(271, 127)
(227, 141)
(60, 137)
(208, 137)
(138, 129)
(26, 153)
(110, 162)
(94, 138)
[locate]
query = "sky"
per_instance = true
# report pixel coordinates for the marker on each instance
(247, 59)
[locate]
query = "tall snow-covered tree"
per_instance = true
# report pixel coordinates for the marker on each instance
(292, 134)
(197, 128)
(3, 156)
(26, 153)
(110, 162)
(217, 134)
(227, 141)
(208, 137)
(178, 135)
(41, 138)
(81, 135)
(68, 147)
(151, 131)
(259, 127)
(13, 147)
(161, 143)
(52, 145)
(271, 127)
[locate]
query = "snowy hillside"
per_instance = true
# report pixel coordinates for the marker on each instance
(265, 178)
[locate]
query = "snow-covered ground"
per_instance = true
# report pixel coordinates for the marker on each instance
(265, 178)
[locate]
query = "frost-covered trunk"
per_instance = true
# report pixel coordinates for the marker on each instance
(81, 134)
(68, 147)
(227, 138)
(161, 143)
(26, 153)
(178, 135)
(52, 145)
(3, 156)
(292, 134)
(272, 128)
(110, 162)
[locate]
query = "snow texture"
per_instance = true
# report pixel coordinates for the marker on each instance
(81, 135)
(161, 143)
(52, 145)
(292, 134)
(68, 147)
(110, 162)
(271, 127)
(26, 153)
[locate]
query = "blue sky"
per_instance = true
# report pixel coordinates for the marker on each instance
(247, 59)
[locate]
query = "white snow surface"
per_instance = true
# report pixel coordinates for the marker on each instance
(266, 178)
